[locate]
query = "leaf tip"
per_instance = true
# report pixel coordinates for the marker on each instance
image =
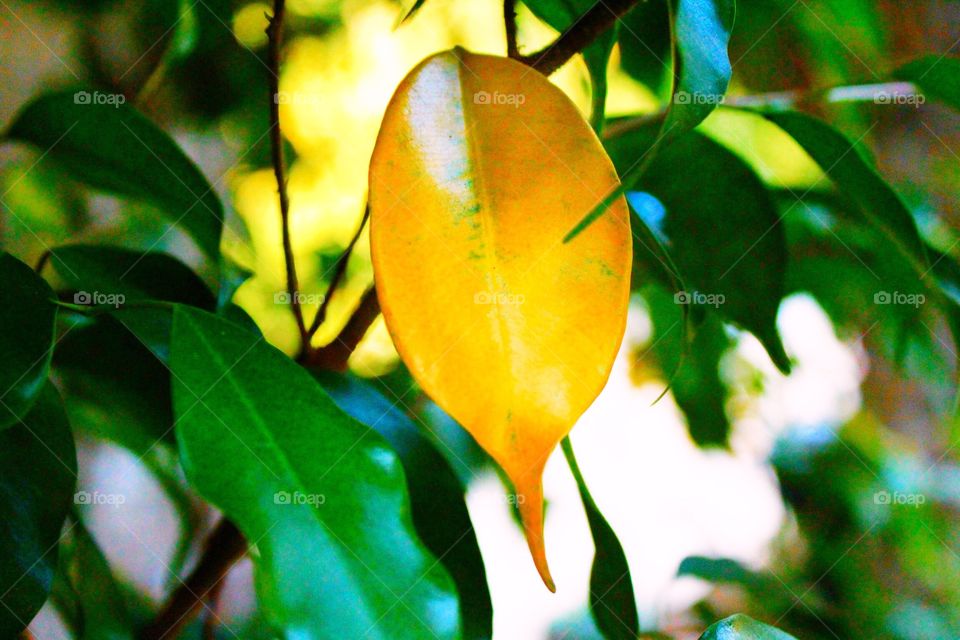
(530, 504)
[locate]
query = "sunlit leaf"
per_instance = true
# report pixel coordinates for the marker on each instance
(437, 496)
(480, 167)
(741, 627)
(322, 497)
(612, 602)
(27, 317)
(109, 145)
(38, 472)
(937, 76)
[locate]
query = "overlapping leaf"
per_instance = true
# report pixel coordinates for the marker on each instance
(27, 316)
(109, 145)
(321, 497)
(38, 472)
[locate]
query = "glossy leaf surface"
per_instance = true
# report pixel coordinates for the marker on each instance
(480, 167)
(322, 497)
(741, 627)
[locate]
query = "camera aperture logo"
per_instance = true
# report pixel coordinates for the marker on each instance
(283, 297)
(896, 297)
(696, 297)
(899, 499)
(91, 498)
(99, 299)
(298, 497)
(98, 98)
(498, 99)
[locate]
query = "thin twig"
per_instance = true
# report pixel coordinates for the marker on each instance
(340, 268)
(224, 547)
(275, 37)
(510, 25)
(591, 25)
(212, 619)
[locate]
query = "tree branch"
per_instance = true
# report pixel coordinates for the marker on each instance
(510, 25)
(335, 355)
(275, 37)
(591, 25)
(224, 547)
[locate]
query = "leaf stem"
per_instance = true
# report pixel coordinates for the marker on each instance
(335, 355)
(275, 40)
(590, 26)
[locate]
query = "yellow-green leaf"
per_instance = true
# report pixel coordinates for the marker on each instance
(480, 168)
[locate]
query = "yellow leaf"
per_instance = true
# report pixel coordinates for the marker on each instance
(480, 169)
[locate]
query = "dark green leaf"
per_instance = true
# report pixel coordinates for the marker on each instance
(717, 570)
(724, 236)
(113, 147)
(38, 472)
(27, 317)
(701, 69)
(321, 496)
(561, 15)
(412, 11)
(644, 38)
(693, 370)
(439, 511)
(116, 277)
(937, 76)
(114, 385)
(612, 602)
(741, 627)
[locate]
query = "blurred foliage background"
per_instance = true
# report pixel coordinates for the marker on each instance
(827, 501)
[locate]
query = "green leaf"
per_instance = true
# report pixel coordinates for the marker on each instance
(724, 236)
(118, 277)
(320, 496)
(103, 613)
(437, 496)
(612, 602)
(114, 147)
(741, 627)
(114, 385)
(561, 15)
(27, 317)
(936, 75)
(701, 68)
(717, 570)
(408, 13)
(693, 370)
(38, 472)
